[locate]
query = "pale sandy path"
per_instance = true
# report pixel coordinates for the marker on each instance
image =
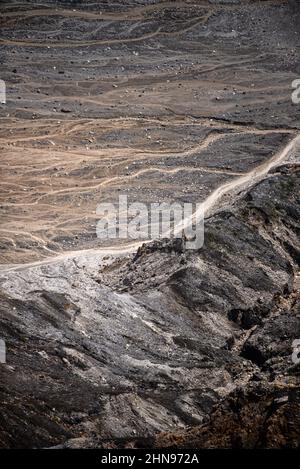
(157, 32)
(242, 182)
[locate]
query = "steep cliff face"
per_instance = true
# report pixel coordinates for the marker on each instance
(109, 346)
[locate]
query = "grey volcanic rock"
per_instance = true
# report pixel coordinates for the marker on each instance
(259, 416)
(88, 361)
(270, 344)
(161, 101)
(273, 339)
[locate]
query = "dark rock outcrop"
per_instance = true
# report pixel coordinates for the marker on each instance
(118, 367)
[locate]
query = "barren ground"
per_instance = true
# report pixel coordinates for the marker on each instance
(185, 101)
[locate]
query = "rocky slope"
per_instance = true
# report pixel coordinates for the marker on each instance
(159, 346)
(178, 333)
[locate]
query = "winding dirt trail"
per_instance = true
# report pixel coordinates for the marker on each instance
(62, 44)
(207, 207)
(133, 14)
(250, 178)
(183, 118)
(175, 101)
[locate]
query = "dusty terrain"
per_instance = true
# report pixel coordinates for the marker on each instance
(113, 344)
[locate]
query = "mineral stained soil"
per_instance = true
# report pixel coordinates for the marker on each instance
(122, 344)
